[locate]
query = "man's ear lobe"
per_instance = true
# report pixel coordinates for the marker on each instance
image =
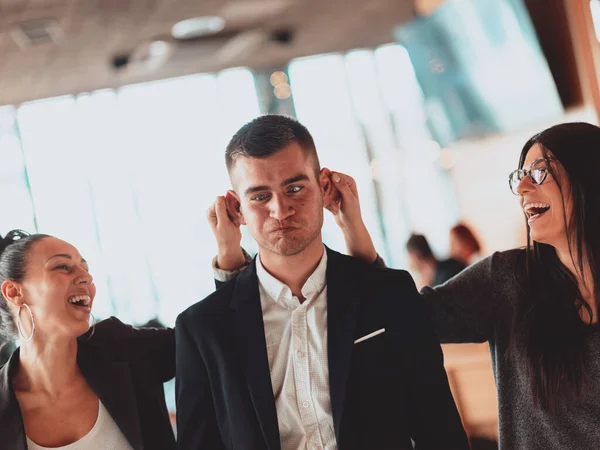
(234, 211)
(11, 291)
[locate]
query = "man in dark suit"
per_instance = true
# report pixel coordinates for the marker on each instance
(306, 348)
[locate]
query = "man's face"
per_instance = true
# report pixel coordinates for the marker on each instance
(281, 200)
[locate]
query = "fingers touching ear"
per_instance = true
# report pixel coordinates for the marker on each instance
(331, 195)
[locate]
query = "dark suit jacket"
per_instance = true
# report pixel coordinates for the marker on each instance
(384, 390)
(126, 368)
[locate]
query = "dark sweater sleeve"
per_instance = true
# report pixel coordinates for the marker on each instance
(468, 307)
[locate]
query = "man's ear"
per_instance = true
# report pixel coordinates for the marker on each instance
(12, 292)
(329, 191)
(234, 211)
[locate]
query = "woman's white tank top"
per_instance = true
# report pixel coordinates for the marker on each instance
(104, 435)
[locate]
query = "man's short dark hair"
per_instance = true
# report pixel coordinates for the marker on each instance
(417, 244)
(267, 135)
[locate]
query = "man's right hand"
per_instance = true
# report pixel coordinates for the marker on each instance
(227, 234)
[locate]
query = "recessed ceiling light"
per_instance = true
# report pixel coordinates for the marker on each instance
(37, 32)
(197, 27)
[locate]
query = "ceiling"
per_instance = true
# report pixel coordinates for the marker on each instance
(88, 34)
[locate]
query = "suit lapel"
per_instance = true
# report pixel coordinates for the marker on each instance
(12, 432)
(342, 314)
(112, 383)
(248, 328)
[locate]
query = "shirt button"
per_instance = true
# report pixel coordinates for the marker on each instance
(299, 353)
(305, 404)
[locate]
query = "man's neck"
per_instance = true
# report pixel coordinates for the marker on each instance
(293, 271)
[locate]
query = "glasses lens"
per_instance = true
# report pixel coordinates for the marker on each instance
(538, 175)
(514, 179)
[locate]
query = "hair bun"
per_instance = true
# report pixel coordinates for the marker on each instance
(11, 237)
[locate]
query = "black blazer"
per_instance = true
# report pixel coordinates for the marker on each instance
(384, 390)
(126, 368)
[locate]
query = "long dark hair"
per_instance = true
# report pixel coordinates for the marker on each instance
(548, 326)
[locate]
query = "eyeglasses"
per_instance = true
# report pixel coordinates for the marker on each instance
(538, 171)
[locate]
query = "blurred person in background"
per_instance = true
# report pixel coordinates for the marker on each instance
(70, 385)
(538, 306)
(464, 246)
(429, 270)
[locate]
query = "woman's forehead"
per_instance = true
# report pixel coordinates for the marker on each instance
(50, 246)
(534, 153)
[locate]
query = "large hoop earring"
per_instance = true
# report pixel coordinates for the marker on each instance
(23, 337)
(92, 326)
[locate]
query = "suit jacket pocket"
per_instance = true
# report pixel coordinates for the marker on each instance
(378, 357)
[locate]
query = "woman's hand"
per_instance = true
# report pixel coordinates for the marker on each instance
(227, 234)
(346, 210)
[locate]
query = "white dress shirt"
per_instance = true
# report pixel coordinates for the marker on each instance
(296, 337)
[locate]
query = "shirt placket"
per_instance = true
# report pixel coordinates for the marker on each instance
(301, 360)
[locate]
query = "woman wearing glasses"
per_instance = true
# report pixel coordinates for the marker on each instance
(537, 307)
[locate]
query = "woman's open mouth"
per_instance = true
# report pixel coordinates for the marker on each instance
(81, 302)
(534, 211)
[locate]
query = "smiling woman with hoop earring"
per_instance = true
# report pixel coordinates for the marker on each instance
(73, 385)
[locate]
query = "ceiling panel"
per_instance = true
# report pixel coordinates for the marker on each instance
(92, 32)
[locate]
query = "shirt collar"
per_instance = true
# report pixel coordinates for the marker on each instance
(278, 290)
